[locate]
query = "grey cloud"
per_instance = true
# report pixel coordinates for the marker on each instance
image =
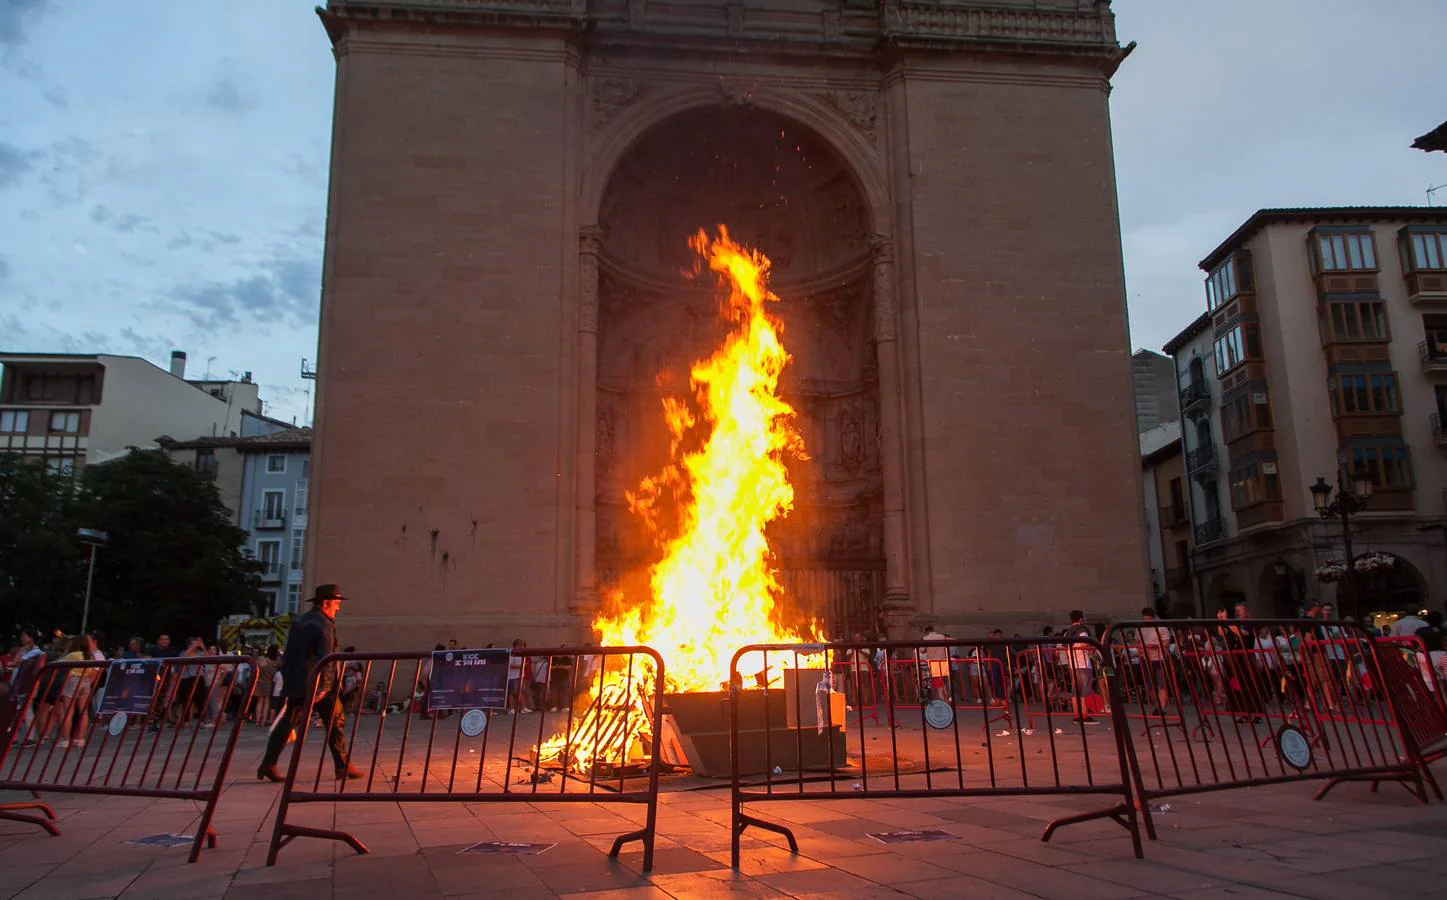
(4, 269)
(125, 223)
(14, 164)
(227, 96)
(283, 290)
(55, 96)
(16, 16)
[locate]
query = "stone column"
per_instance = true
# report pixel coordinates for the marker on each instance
(896, 564)
(585, 600)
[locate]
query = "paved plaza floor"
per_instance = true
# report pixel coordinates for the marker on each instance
(1263, 842)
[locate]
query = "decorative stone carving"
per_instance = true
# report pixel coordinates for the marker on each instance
(603, 442)
(731, 93)
(883, 250)
(588, 240)
(610, 95)
(931, 19)
(859, 107)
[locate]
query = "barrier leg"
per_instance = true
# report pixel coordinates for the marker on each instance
(10, 812)
(746, 820)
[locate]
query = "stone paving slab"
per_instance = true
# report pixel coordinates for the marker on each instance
(1263, 842)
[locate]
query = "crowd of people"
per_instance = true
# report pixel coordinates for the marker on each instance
(1237, 665)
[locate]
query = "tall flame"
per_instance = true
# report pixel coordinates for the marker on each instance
(715, 587)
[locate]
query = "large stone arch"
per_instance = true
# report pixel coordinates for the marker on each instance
(847, 551)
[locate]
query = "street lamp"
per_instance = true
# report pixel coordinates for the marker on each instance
(96, 539)
(1342, 507)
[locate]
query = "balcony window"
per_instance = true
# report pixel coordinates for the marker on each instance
(14, 421)
(1423, 251)
(1221, 285)
(64, 422)
(293, 598)
(1373, 394)
(1237, 346)
(1251, 411)
(1356, 320)
(273, 504)
(1390, 465)
(301, 489)
(269, 554)
(1343, 252)
(298, 547)
(1255, 483)
(276, 463)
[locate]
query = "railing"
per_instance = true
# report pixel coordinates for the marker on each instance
(1243, 703)
(1432, 355)
(595, 739)
(1210, 531)
(796, 742)
(269, 518)
(1201, 458)
(155, 732)
(1195, 392)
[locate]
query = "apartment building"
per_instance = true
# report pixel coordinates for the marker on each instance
(1153, 375)
(71, 410)
(263, 479)
(1323, 347)
(1169, 540)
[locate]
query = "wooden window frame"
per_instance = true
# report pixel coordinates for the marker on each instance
(1354, 309)
(1260, 485)
(1378, 464)
(1367, 391)
(1314, 243)
(1412, 261)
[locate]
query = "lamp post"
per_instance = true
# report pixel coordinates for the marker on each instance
(1342, 507)
(96, 539)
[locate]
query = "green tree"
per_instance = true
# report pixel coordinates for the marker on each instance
(41, 564)
(175, 561)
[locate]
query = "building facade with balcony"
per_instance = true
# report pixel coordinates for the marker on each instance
(1323, 345)
(1169, 537)
(276, 472)
(263, 479)
(70, 410)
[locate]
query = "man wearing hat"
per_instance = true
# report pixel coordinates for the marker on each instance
(313, 635)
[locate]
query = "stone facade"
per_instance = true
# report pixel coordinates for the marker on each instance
(509, 183)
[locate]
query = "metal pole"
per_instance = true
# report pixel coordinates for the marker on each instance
(1344, 500)
(89, 578)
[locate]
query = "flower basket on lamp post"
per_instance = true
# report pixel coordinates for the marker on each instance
(1375, 562)
(1330, 572)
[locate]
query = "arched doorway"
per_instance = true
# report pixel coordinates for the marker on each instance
(1223, 592)
(1280, 590)
(1398, 588)
(780, 187)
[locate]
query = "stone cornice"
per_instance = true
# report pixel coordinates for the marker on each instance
(833, 27)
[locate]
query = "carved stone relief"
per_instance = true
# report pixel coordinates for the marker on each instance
(610, 95)
(859, 107)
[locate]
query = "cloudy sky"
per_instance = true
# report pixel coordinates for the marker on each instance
(163, 163)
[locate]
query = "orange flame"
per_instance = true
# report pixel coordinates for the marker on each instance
(714, 589)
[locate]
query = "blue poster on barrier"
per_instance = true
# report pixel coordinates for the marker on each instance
(130, 686)
(469, 679)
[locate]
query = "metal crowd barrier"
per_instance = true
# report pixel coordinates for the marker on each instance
(123, 728)
(600, 744)
(1241, 703)
(792, 741)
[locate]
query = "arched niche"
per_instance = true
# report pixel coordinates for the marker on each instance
(780, 187)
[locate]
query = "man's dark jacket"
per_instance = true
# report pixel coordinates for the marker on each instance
(312, 636)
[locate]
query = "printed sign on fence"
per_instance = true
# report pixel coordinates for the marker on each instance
(469, 679)
(130, 686)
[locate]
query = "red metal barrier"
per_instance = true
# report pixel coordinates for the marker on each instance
(599, 746)
(1048, 682)
(1268, 701)
(154, 733)
(793, 748)
(961, 680)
